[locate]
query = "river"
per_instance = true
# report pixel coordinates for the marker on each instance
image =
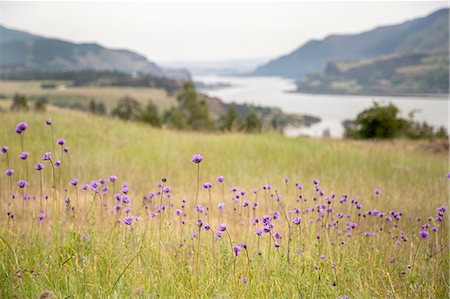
(332, 109)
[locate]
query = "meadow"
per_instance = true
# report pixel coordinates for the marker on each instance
(67, 95)
(99, 207)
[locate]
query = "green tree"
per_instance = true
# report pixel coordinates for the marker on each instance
(127, 108)
(174, 118)
(377, 122)
(150, 115)
(442, 133)
(253, 123)
(92, 106)
(229, 121)
(40, 105)
(96, 108)
(100, 109)
(195, 110)
(20, 102)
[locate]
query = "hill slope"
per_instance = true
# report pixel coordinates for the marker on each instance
(429, 33)
(19, 49)
(397, 74)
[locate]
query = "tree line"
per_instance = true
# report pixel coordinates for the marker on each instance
(191, 113)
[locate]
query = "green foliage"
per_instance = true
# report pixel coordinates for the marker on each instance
(127, 109)
(150, 115)
(175, 119)
(96, 108)
(384, 122)
(40, 105)
(20, 103)
(253, 123)
(381, 122)
(192, 111)
(441, 133)
(230, 121)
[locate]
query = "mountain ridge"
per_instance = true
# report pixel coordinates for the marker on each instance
(420, 34)
(19, 49)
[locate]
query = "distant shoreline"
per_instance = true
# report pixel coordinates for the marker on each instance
(401, 95)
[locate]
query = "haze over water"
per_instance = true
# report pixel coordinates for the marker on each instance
(332, 109)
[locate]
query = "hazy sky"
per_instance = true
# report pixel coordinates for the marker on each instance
(187, 30)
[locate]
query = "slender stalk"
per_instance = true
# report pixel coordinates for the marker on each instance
(198, 183)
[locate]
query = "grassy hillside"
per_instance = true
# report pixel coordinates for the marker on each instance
(102, 146)
(398, 74)
(82, 252)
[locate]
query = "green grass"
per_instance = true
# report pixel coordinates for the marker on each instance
(120, 262)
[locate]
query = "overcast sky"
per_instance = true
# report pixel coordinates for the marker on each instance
(180, 31)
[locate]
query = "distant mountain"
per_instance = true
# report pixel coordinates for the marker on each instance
(414, 73)
(20, 50)
(429, 33)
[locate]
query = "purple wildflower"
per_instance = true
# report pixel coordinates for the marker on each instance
(74, 182)
(199, 208)
(377, 191)
(207, 185)
(21, 184)
(21, 127)
(39, 166)
(236, 249)
(220, 179)
(197, 158)
(424, 234)
(276, 215)
(4, 149)
(128, 220)
(24, 155)
(61, 141)
(296, 220)
(244, 280)
(222, 227)
(47, 156)
(41, 216)
(126, 199)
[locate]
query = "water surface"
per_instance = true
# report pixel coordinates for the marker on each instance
(332, 109)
